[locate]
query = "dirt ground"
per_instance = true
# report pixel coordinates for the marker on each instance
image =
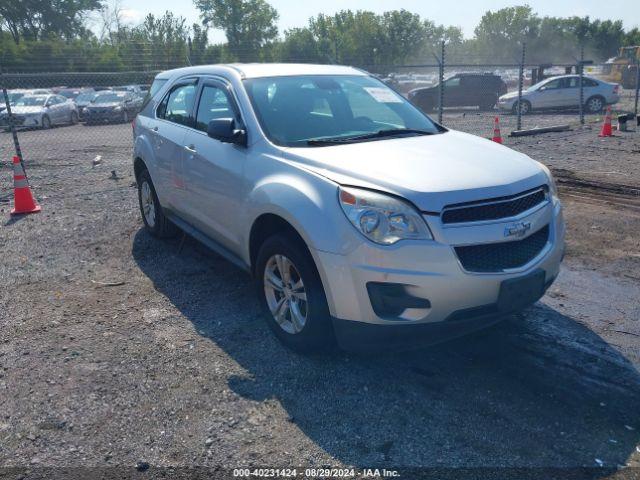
(119, 350)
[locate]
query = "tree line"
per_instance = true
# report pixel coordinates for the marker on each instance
(90, 35)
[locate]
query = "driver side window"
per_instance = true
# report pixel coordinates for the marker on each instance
(553, 84)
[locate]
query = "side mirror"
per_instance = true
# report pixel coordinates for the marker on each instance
(542, 89)
(224, 130)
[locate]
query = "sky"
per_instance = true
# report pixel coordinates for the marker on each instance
(462, 13)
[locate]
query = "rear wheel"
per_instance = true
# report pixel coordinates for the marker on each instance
(125, 116)
(292, 296)
(156, 223)
(73, 118)
(595, 104)
(488, 102)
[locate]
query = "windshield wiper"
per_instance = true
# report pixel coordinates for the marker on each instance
(369, 136)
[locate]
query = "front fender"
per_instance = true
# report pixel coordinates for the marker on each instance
(310, 204)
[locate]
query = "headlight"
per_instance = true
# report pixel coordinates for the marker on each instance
(117, 109)
(85, 110)
(382, 218)
(553, 189)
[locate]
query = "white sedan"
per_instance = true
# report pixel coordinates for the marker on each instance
(563, 92)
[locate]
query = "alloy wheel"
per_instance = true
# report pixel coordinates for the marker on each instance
(595, 105)
(285, 294)
(148, 204)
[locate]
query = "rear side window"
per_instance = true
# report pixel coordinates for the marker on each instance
(587, 82)
(177, 105)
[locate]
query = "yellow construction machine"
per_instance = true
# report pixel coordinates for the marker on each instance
(623, 68)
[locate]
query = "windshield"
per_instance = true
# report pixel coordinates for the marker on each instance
(13, 97)
(108, 98)
(296, 111)
(86, 97)
(31, 102)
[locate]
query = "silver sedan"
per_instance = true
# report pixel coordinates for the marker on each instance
(563, 92)
(41, 111)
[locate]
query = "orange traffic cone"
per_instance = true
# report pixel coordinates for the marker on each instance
(497, 137)
(23, 200)
(606, 126)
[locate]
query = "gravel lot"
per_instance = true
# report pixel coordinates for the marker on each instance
(117, 349)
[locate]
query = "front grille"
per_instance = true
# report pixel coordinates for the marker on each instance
(495, 208)
(497, 257)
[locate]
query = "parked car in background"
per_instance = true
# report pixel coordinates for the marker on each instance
(112, 107)
(84, 100)
(563, 92)
(73, 93)
(462, 90)
(41, 111)
(133, 89)
(359, 217)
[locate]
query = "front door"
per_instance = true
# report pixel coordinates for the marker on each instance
(214, 171)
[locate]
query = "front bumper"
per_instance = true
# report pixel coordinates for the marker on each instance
(506, 104)
(459, 301)
(98, 117)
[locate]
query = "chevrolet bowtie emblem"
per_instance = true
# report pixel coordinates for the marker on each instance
(517, 229)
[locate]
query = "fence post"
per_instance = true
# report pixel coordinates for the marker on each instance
(12, 127)
(637, 86)
(189, 51)
(581, 72)
(520, 85)
(441, 78)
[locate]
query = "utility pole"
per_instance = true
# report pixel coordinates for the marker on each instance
(520, 86)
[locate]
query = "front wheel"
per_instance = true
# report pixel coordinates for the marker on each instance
(45, 123)
(525, 107)
(292, 296)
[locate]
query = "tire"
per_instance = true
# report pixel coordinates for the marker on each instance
(45, 123)
(488, 103)
(524, 110)
(315, 332)
(73, 118)
(125, 117)
(155, 222)
(594, 104)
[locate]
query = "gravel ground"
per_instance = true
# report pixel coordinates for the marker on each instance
(117, 349)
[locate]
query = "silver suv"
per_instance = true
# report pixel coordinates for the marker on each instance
(360, 218)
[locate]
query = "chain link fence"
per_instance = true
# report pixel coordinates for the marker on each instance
(53, 113)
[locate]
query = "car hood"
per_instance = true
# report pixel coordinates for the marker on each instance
(430, 171)
(510, 95)
(26, 110)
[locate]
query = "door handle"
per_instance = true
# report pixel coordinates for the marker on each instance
(155, 129)
(190, 148)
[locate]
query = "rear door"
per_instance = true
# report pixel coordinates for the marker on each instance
(214, 171)
(174, 116)
(453, 92)
(570, 92)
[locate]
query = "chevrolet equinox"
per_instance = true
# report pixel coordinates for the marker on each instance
(360, 218)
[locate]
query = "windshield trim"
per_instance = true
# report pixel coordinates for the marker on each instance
(303, 143)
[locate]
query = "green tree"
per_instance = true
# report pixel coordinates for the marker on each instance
(42, 19)
(248, 24)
